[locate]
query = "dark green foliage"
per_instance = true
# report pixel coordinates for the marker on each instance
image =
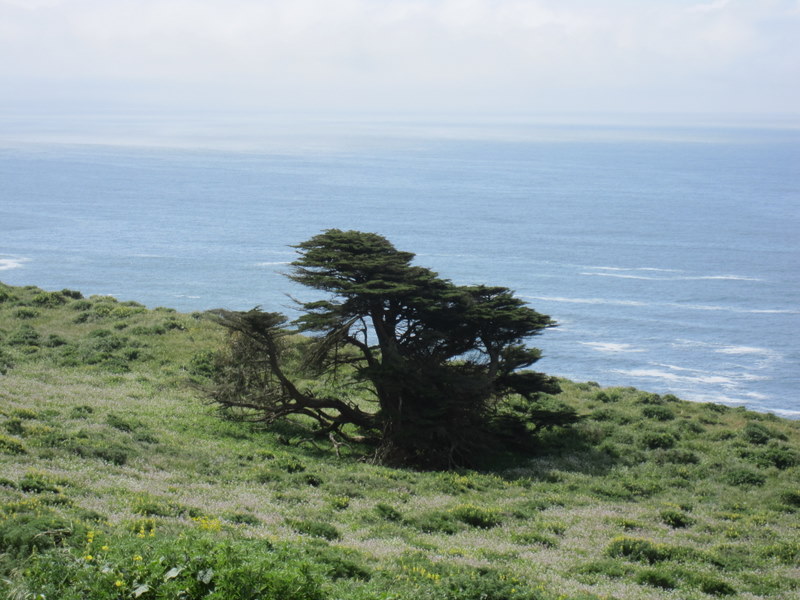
(388, 512)
(786, 552)
(476, 516)
(436, 522)
(741, 476)
(25, 532)
(11, 445)
(38, 483)
(607, 567)
(677, 456)
(659, 413)
(661, 578)
(658, 439)
(81, 411)
(676, 518)
(778, 455)
(49, 299)
(315, 529)
(26, 313)
(438, 357)
(193, 567)
(531, 538)
(637, 549)
(756, 433)
(242, 518)
(713, 586)
(6, 362)
(791, 498)
(203, 364)
(338, 562)
(26, 335)
(607, 396)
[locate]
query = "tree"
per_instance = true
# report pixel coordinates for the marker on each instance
(439, 362)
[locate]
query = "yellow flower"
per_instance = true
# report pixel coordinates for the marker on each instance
(104, 548)
(138, 557)
(119, 583)
(88, 557)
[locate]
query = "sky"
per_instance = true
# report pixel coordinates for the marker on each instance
(382, 56)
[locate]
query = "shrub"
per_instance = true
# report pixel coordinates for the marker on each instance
(530, 538)
(80, 305)
(649, 398)
(657, 578)
(791, 498)
(756, 433)
(340, 502)
(6, 362)
(24, 532)
(49, 299)
(436, 522)
(11, 445)
(387, 512)
(153, 506)
(712, 586)
(659, 413)
(604, 567)
(658, 439)
(786, 552)
(120, 423)
(741, 476)
(338, 562)
(242, 518)
(476, 516)
(81, 411)
(606, 396)
(24, 336)
(675, 518)
(637, 549)
(38, 482)
(780, 456)
(677, 456)
(315, 529)
(26, 313)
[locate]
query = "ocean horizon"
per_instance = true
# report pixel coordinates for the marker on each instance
(668, 252)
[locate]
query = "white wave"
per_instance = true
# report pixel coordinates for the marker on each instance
(588, 301)
(612, 347)
(789, 414)
(743, 350)
(708, 378)
(12, 262)
(733, 309)
(725, 278)
(621, 276)
(679, 278)
(636, 269)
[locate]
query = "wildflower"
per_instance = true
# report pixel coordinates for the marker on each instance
(88, 557)
(119, 583)
(137, 558)
(104, 548)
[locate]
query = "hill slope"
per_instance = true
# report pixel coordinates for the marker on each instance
(118, 481)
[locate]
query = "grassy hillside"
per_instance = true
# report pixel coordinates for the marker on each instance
(118, 481)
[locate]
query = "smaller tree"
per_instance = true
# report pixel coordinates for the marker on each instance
(395, 354)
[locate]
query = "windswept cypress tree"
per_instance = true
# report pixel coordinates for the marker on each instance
(440, 360)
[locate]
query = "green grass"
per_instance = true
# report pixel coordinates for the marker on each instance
(119, 481)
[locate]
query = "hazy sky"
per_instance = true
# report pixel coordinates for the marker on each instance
(498, 56)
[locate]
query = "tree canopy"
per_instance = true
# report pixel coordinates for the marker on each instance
(431, 372)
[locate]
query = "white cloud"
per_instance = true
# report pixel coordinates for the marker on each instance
(491, 54)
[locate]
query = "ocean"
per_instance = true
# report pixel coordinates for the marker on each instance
(668, 253)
